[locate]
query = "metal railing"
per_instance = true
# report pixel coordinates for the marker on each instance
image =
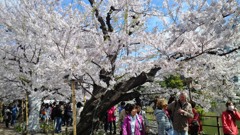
(218, 126)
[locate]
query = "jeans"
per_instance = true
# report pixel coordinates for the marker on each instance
(180, 132)
(68, 119)
(170, 132)
(13, 121)
(58, 127)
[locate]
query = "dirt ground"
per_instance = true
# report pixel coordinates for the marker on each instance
(11, 131)
(7, 131)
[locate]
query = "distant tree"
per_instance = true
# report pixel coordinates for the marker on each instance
(173, 81)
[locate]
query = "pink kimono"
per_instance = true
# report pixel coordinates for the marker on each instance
(139, 126)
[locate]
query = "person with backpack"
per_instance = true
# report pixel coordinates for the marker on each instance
(181, 111)
(229, 118)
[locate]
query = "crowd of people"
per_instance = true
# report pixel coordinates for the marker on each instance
(10, 114)
(60, 113)
(132, 119)
(177, 116)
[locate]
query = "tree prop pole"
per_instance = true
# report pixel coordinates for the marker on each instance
(22, 105)
(26, 105)
(74, 108)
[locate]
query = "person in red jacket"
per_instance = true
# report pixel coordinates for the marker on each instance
(229, 118)
(194, 123)
(112, 119)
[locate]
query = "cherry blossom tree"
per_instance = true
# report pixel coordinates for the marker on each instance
(113, 47)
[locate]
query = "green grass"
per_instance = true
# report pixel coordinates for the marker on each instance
(210, 121)
(213, 121)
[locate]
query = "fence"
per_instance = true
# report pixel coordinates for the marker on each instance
(217, 125)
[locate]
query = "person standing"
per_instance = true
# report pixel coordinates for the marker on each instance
(48, 111)
(181, 111)
(163, 119)
(14, 115)
(194, 123)
(112, 119)
(141, 112)
(68, 114)
(121, 107)
(7, 116)
(133, 123)
(122, 115)
(229, 118)
(58, 119)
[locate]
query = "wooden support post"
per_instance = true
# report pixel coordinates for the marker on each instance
(2, 114)
(74, 109)
(74, 114)
(26, 105)
(23, 116)
(22, 109)
(190, 92)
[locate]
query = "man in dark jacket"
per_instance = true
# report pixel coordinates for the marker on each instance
(58, 118)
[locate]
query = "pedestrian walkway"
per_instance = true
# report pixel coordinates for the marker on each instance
(11, 131)
(7, 131)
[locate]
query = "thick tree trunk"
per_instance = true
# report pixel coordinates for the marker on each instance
(34, 106)
(95, 108)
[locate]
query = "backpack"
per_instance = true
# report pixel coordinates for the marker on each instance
(43, 112)
(194, 127)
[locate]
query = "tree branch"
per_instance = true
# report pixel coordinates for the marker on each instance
(224, 53)
(101, 21)
(129, 96)
(87, 91)
(137, 81)
(108, 19)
